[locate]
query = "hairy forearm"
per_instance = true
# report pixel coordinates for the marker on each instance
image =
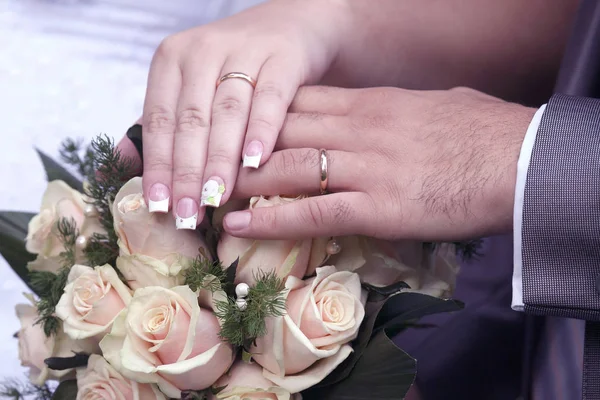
(508, 48)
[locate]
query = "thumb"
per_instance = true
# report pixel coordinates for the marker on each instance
(335, 214)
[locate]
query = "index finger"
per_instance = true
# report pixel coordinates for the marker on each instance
(158, 128)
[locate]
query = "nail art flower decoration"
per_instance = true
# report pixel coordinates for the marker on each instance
(212, 193)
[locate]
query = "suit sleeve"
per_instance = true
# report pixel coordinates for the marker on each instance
(522, 168)
(560, 232)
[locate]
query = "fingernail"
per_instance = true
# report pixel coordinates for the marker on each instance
(236, 221)
(187, 214)
(158, 198)
(212, 192)
(253, 154)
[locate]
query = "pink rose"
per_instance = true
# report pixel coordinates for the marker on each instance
(382, 263)
(285, 257)
(324, 315)
(59, 201)
(152, 251)
(164, 337)
(35, 347)
(100, 381)
(246, 381)
(92, 299)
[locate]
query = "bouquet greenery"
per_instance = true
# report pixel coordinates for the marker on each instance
(125, 306)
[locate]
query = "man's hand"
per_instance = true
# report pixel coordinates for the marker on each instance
(429, 165)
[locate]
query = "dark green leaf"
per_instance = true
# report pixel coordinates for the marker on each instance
(386, 290)
(135, 135)
(384, 372)
(55, 171)
(62, 363)
(407, 307)
(16, 256)
(230, 278)
(67, 390)
(15, 223)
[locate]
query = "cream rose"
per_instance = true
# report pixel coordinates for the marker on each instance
(35, 347)
(101, 381)
(164, 337)
(92, 299)
(59, 201)
(245, 381)
(152, 251)
(324, 314)
(285, 257)
(382, 263)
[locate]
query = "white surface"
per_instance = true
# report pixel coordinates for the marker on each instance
(522, 167)
(72, 69)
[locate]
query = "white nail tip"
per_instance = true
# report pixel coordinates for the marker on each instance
(252, 161)
(159, 206)
(187, 223)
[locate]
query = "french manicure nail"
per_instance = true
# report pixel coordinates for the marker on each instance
(237, 221)
(253, 154)
(187, 214)
(212, 192)
(158, 198)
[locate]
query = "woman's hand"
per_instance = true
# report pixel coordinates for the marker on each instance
(195, 133)
(429, 165)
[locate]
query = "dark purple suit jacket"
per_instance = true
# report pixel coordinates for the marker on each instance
(486, 351)
(476, 353)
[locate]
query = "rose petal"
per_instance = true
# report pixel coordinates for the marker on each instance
(311, 376)
(171, 347)
(94, 316)
(196, 373)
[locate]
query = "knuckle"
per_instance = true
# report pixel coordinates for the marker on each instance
(462, 89)
(262, 123)
(327, 212)
(159, 119)
(268, 91)
(340, 211)
(157, 163)
(266, 219)
(187, 174)
(192, 118)
(286, 163)
(167, 48)
(293, 162)
(315, 213)
(229, 105)
(219, 157)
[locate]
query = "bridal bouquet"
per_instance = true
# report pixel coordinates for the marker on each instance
(125, 306)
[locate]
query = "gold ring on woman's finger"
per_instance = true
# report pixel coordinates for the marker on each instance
(237, 75)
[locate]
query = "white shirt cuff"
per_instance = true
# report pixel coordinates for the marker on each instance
(522, 167)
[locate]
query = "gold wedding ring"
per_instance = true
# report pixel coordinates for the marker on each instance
(237, 75)
(324, 176)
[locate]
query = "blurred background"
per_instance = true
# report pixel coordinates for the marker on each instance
(72, 68)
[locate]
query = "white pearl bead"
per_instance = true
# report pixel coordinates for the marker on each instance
(333, 247)
(242, 290)
(81, 242)
(90, 211)
(241, 303)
